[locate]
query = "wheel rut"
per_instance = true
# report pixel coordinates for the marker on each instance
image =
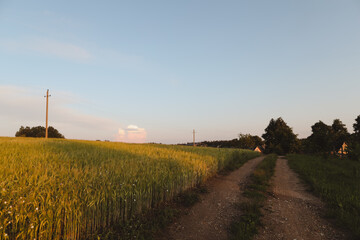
(292, 212)
(210, 218)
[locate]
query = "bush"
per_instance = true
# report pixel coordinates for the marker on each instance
(38, 132)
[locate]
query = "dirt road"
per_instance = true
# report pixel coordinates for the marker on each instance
(210, 218)
(293, 213)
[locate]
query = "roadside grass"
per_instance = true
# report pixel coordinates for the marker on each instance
(236, 160)
(337, 182)
(190, 197)
(246, 226)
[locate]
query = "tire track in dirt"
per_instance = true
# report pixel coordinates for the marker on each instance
(210, 218)
(292, 212)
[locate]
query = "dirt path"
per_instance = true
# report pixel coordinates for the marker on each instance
(210, 218)
(293, 213)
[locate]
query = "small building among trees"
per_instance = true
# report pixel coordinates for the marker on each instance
(343, 150)
(258, 149)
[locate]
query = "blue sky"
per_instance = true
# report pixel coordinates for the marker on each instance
(151, 71)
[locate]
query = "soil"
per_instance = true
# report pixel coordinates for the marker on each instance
(210, 218)
(292, 212)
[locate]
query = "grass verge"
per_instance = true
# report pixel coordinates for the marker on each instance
(337, 182)
(246, 226)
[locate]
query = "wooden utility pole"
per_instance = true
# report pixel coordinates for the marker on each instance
(194, 137)
(47, 112)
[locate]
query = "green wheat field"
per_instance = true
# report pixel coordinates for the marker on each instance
(70, 189)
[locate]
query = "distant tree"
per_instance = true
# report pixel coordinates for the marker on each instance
(339, 134)
(353, 150)
(356, 127)
(221, 143)
(258, 141)
(354, 144)
(247, 141)
(303, 145)
(23, 132)
(38, 132)
(320, 141)
(326, 139)
(279, 138)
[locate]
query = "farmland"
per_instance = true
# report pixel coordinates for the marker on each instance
(337, 182)
(64, 189)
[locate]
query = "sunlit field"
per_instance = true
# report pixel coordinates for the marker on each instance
(65, 189)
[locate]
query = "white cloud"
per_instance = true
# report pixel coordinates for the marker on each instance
(132, 128)
(47, 47)
(132, 134)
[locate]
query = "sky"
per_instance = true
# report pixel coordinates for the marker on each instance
(152, 71)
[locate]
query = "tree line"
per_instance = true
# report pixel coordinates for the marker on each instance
(279, 138)
(324, 139)
(245, 141)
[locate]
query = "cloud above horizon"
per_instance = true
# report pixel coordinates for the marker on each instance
(132, 134)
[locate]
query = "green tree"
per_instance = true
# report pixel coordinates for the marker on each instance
(354, 145)
(23, 132)
(339, 134)
(247, 141)
(320, 141)
(356, 127)
(279, 138)
(38, 132)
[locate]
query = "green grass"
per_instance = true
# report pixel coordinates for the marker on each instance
(337, 182)
(246, 226)
(66, 189)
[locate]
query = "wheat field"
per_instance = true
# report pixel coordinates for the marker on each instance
(69, 189)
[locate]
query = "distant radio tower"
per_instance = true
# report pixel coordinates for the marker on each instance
(194, 137)
(47, 111)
